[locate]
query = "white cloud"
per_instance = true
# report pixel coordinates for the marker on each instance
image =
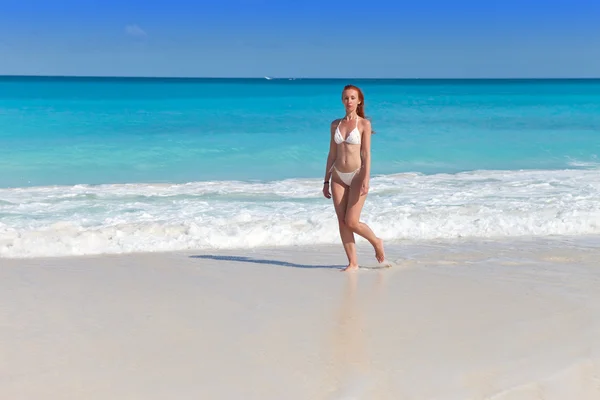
(135, 30)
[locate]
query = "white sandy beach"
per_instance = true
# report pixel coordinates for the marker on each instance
(480, 320)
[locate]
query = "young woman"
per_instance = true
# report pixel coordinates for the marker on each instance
(349, 167)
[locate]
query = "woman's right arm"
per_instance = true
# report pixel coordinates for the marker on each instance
(332, 152)
(330, 160)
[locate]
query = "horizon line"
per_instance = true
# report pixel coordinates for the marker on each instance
(268, 77)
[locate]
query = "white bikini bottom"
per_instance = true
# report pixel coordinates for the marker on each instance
(346, 177)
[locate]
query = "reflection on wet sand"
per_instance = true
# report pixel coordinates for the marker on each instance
(349, 369)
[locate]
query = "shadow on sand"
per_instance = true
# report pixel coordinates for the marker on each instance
(261, 261)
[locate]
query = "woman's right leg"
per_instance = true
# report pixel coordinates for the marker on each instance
(340, 193)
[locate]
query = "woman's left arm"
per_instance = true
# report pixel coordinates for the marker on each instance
(366, 156)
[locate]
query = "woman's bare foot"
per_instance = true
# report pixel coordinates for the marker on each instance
(379, 253)
(350, 267)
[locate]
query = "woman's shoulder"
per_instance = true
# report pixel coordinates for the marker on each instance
(364, 123)
(334, 124)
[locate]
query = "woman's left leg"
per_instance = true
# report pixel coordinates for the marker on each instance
(353, 210)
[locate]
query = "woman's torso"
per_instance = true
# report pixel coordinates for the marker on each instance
(348, 139)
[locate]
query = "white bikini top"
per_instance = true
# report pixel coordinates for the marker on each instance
(353, 137)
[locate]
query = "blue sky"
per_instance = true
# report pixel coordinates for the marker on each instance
(310, 38)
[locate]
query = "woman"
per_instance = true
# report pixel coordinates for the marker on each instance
(349, 167)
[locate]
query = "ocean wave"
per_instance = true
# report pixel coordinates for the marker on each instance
(125, 218)
(584, 164)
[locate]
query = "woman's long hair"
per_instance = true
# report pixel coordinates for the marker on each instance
(360, 108)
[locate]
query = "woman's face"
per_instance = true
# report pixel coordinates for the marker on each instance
(350, 99)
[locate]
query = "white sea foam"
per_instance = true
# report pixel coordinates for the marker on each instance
(78, 220)
(584, 164)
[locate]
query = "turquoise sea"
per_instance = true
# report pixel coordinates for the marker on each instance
(113, 165)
